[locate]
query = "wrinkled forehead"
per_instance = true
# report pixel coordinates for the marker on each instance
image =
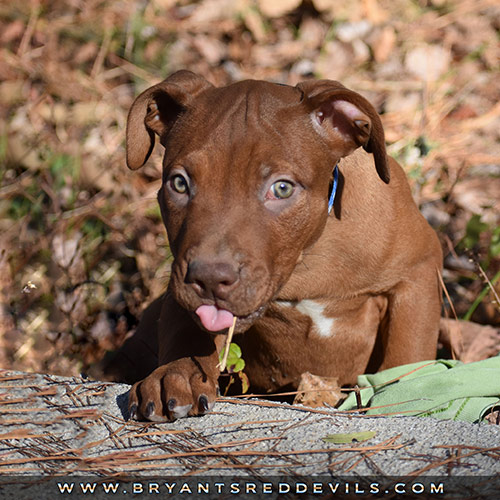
(242, 113)
(250, 99)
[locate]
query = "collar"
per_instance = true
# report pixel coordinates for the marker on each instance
(334, 188)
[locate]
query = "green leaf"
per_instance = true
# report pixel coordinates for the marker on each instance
(235, 362)
(238, 366)
(352, 437)
(495, 242)
(234, 350)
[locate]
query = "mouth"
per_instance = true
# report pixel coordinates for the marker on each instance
(215, 319)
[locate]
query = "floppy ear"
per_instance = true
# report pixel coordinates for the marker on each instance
(346, 119)
(156, 110)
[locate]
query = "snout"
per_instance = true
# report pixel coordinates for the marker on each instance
(220, 289)
(214, 282)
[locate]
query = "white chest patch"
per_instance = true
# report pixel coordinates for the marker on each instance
(322, 324)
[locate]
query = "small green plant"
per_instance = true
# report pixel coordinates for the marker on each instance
(234, 366)
(478, 232)
(63, 169)
(28, 205)
(481, 296)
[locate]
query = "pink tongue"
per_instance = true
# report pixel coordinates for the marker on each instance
(214, 319)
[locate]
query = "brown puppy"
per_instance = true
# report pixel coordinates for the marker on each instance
(247, 177)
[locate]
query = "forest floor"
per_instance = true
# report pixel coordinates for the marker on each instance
(82, 246)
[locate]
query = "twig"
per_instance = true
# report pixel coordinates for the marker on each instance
(434, 465)
(359, 403)
(455, 350)
(367, 455)
(223, 363)
(99, 61)
(443, 286)
(491, 283)
(30, 28)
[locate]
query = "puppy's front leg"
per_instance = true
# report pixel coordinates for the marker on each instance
(414, 311)
(186, 381)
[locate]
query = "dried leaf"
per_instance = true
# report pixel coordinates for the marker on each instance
(334, 60)
(348, 32)
(12, 31)
(428, 62)
(210, 11)
(384, 43)
(12, 92)
(479, 341)
(374, 12)
(493, 417)
(479, 195)
(245, 382)
(277, 8)
(211, 49)
(317, 391)
(450, 335)
(254, 22)
(312, 33)
(340, 9)
(66, 251)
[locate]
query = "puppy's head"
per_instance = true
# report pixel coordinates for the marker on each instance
(246, 175)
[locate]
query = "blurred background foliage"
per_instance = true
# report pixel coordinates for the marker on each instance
(82, 247)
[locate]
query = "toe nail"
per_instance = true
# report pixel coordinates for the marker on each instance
(132, 412)
(150, 409)
(203, 403)
(171, 404)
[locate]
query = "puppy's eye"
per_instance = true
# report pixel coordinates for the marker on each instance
(179, 184)
(282, 189)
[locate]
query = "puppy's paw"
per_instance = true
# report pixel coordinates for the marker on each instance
(175, 390)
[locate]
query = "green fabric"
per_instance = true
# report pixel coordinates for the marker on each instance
(442, 389)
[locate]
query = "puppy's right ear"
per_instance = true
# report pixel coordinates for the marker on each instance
(156, 110)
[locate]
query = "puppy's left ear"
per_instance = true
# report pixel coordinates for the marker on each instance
(347, 120)
(155, 112)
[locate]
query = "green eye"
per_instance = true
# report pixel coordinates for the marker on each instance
(179, 184)
(282, 189)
